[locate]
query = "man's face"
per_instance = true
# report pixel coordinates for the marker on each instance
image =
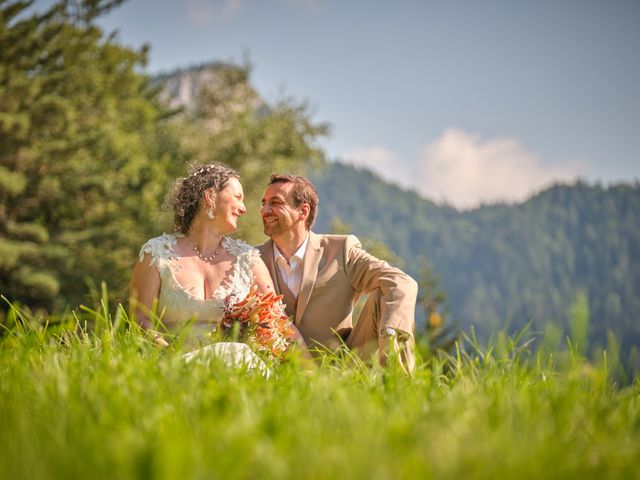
(278, 214)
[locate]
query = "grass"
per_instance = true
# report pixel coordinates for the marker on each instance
(87, 397)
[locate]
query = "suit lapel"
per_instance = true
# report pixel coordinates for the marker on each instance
(309, 273)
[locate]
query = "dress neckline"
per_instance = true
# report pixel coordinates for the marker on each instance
(222, 291)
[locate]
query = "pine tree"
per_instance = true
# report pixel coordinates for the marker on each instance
(80, 161)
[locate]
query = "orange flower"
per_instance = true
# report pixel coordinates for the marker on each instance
(263, 322)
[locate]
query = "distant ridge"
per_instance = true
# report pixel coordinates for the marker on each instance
(507, 264)
(224, 83)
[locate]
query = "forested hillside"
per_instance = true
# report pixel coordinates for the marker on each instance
(509, 264)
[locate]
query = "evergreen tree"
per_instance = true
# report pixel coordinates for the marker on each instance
(80, 161)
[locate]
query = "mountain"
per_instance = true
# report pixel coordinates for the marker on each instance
(216, 91)
(505, 265)
(500, 265)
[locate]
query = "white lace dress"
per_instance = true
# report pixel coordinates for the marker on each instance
(193, 318)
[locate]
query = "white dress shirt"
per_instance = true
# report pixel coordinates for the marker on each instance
(291, 272)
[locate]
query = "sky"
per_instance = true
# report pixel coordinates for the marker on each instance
(466, 102)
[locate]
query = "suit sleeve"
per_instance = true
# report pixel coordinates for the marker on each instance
(398, 290)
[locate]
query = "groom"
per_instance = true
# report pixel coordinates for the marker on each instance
(322, 276)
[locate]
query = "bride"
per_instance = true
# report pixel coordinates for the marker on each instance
(191, 274)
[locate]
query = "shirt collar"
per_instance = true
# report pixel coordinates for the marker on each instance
(298, 256)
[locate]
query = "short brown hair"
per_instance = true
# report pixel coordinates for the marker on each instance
(302, 192)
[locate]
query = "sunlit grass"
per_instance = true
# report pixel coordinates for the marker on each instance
(90, 397)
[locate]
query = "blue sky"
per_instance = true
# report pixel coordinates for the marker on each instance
(467, 101)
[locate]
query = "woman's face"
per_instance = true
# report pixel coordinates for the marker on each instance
(229, 205)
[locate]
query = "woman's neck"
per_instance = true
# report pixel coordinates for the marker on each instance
(205, 235)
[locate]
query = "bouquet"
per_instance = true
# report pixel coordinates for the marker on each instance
(261, 322)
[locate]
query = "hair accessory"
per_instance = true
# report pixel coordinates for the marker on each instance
(205, 168)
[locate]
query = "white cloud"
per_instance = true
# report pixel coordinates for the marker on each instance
(466, 170)
(380, 160)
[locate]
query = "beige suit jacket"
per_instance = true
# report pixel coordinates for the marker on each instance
(336, 272)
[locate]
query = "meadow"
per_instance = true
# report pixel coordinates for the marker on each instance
(86, 395)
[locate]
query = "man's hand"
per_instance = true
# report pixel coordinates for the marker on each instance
(390, 348)
(161, 342)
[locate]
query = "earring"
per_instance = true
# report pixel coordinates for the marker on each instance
(211, 214)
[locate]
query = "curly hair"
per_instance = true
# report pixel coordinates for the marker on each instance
(185, 197)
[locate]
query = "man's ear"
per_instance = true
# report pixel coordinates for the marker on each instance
(304, 211)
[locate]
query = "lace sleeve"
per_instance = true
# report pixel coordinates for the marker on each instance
(159, 248)
(240, 248)
(246, 257)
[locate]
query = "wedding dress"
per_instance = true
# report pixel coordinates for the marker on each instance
(193, 319)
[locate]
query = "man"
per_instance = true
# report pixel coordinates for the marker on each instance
(322, 276)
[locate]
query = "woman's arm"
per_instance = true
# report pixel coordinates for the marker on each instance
(262, 280)
(145, 288)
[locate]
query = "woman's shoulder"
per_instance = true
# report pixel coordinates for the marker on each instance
(240, 248)
(160, 247)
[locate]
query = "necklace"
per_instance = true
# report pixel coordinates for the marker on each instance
(206, 258)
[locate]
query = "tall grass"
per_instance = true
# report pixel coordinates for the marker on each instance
(88, 396)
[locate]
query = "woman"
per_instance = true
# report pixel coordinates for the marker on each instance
(193, 273)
